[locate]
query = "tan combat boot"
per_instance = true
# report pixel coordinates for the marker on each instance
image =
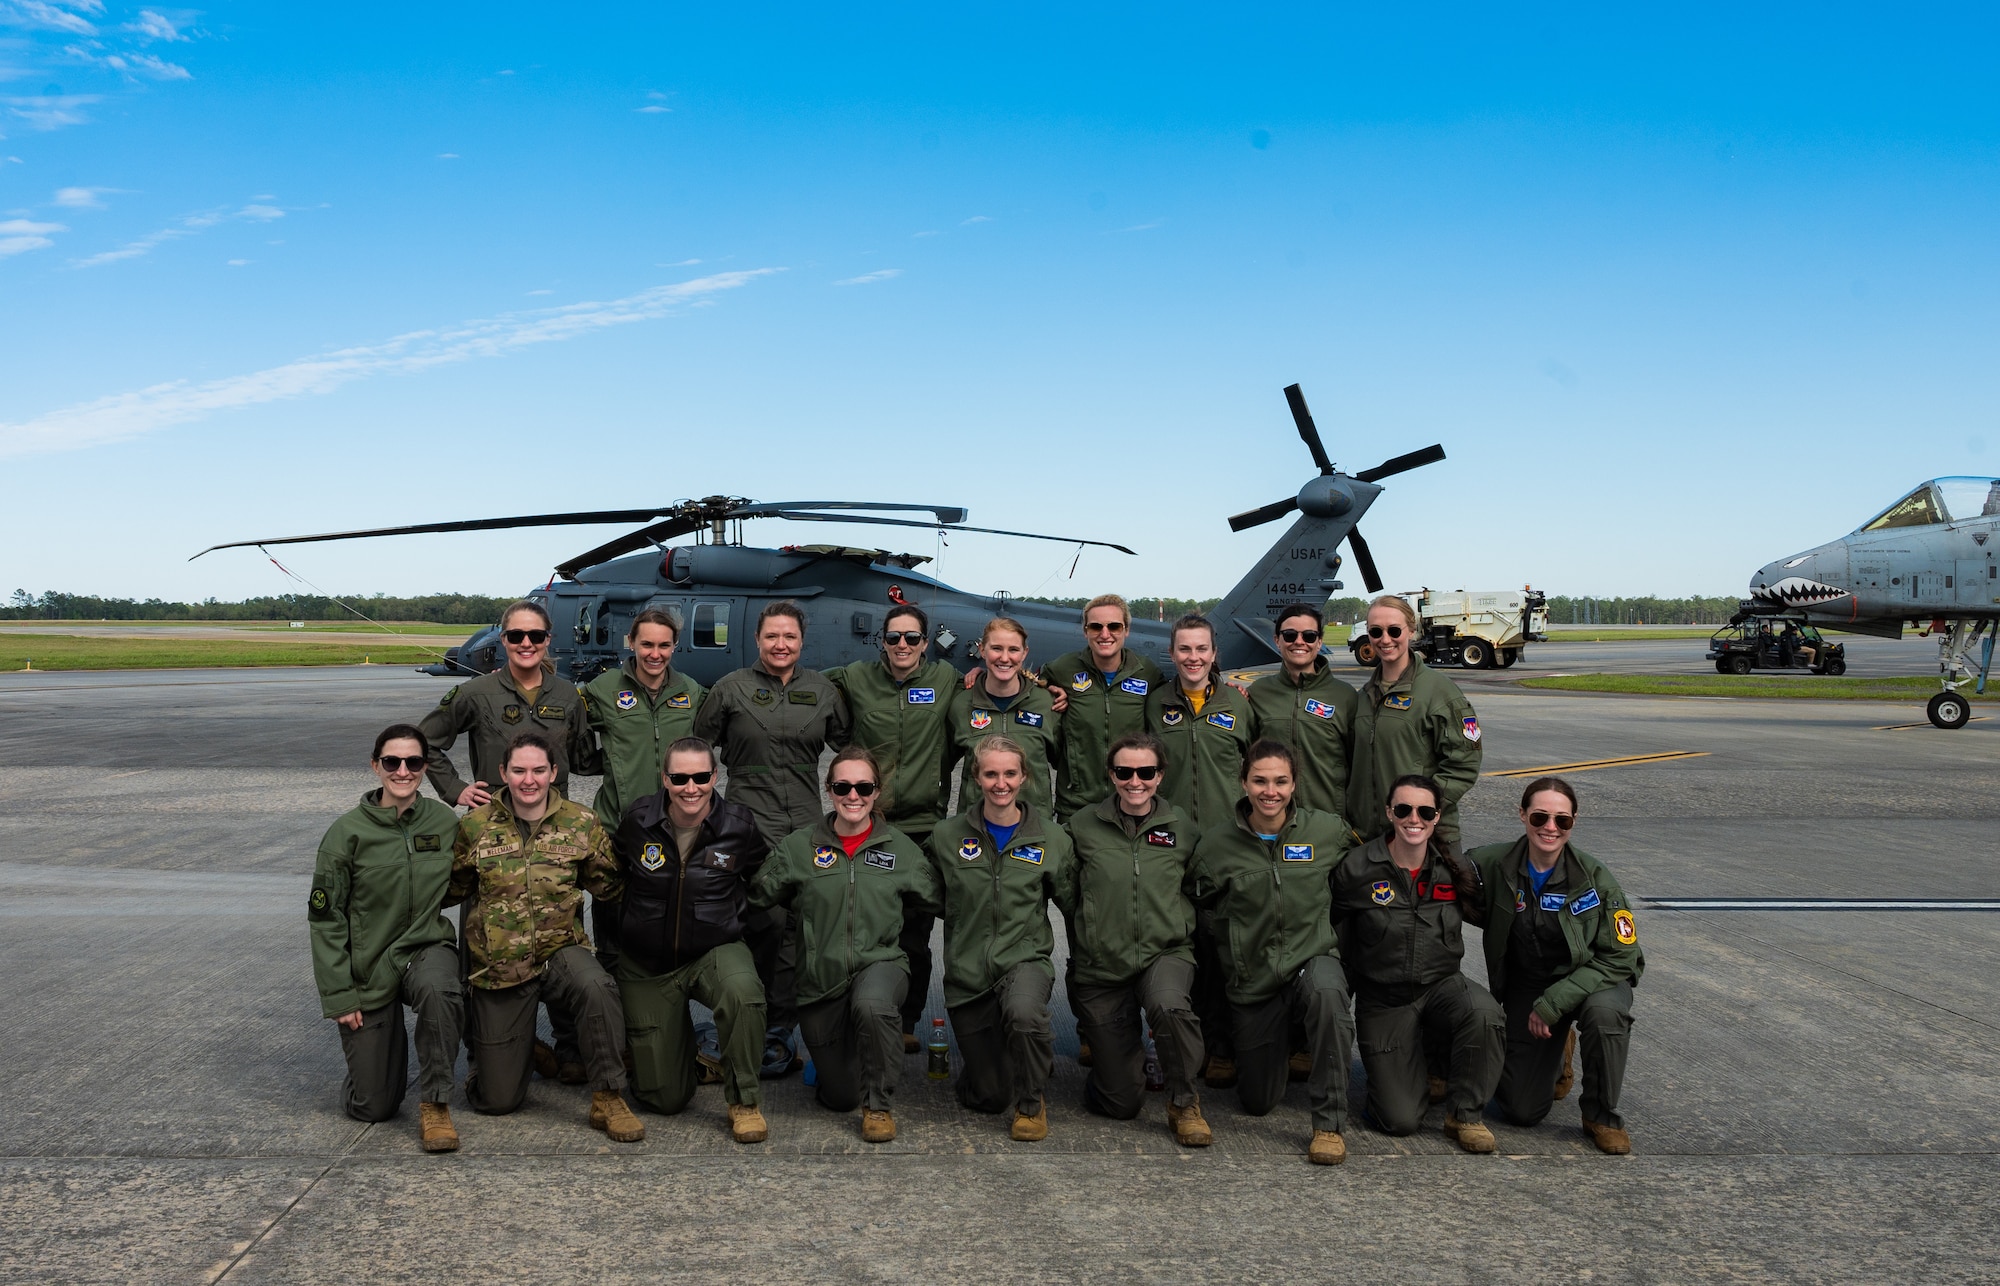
(1473, 1136)
(910, 1043)
(1219, 1074)
(609, 1113)
(877, 1127)
(1190, 1131)
(435, 1127)
(1439, 1087)
(746, 1123)
(1568, 1077)
(1032, 1129)
(1299, 1066)
(1328, 1148)
(1609, 1138)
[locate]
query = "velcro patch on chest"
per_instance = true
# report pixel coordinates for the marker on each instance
(1030, 854)
(1172, 716)
(1319, 709)
(969, 850)
(510, 713)
(1226, 721)
(1588, 902)
(720, 861)
(922, 696)
(1382, 892)
(1161, 837)
(1081, 683)
(803, 698)
(824, 856)
(1440, 892)
(763, 696)
(1298, 853)
(879, 859)
(627, 700)
(1028, 719)
(1397, 701)
(652, 857)
(981, 719)
(551, 712)
(679, 701)
(1553, 901)
(427, 843)
(1137, 687)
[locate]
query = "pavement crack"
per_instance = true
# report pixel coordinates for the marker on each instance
(223, 1270)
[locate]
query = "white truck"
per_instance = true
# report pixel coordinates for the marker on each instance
(1477, 629)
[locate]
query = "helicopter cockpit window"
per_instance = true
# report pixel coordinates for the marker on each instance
(1920, 508)
(711, 625)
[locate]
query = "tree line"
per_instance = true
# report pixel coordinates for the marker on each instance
(444, 609)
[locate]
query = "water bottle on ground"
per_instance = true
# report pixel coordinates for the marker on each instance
(940, 1047)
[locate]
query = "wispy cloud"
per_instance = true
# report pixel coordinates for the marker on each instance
(928, 232)
(48, 39)
(187, 226)
(51, 111)
(685, 263)
(152, 25)
(18, 236)
(1143, 227)
(652, 109)
(868, 278)
(81, 198)
(130, 415)
(53, 17)
(977, 218)
(447, 156)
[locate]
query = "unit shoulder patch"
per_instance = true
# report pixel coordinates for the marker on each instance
(1626, 928)
(447, 698)
(317, 905)
(1471, 726)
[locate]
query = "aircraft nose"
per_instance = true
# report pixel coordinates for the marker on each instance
(1803, 580)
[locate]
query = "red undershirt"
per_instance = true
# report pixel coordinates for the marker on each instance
(853, 843)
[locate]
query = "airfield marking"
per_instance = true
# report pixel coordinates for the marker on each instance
(1898, 727)
(1823, 904)
(1589, 765)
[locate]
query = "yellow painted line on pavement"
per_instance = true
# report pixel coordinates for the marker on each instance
(1925, 723)
(1589, 765)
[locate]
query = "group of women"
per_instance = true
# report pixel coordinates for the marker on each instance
(1243, 879)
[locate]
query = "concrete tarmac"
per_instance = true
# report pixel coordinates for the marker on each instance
(1813, 1095)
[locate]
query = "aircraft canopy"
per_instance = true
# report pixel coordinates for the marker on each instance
(1941, 500)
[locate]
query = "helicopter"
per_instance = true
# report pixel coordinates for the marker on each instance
(716, 585)
(1927, 560)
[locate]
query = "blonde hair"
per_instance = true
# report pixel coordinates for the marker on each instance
(1401, 604)
(1109, 600)
(997, 744)
(1007, 623)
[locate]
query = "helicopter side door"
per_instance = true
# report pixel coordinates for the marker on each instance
(715, 631)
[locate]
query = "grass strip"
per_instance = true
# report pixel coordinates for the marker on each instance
(1805, 687)
(62, 652)
(350, 626)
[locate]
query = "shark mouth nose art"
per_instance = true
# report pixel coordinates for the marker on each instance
(1797, 589)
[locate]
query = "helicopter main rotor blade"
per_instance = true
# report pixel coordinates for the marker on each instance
(1307, 429)
(938, 526)
(1364, 560)
(945, 513)
(472, 524)
(1259, 516)
(1403, 463)
(630, 542)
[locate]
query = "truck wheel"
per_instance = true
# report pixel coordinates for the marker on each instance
(1722, 667)
(1477, 654)
(1836, 667)
(1949, 710)
(1364, 654)
(1739, 664)
(1509, 655)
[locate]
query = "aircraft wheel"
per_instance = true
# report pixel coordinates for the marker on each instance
(1477, 654)
(1836, 667)
(1739, 664)
(1949, 710)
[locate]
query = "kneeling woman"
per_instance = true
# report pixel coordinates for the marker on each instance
(1266, 876)
(1396, 903)
(849, 882)
(1562, 947)
(1000, 863)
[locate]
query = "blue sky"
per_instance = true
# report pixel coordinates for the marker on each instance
(1679, 289)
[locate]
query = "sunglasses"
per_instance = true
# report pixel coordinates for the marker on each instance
(909, 638)
(536, 637)
(683, 778)
(1377, 631)
(1104, 627)
(401, 763)
(1147, 773)
(1540, 819)
(842, 789)
(1293, 636)
(1424, 811)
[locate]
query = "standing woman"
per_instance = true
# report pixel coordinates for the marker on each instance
(1562, 947)
(999, 864)
(1408, 719)
(1004, 701)
(1204, 726)
(1305, 706)
(637, 711)
(901, 707)
(1107, 685)
(1131, 932)
(1267, 878)
(851, 880)
(769, 722)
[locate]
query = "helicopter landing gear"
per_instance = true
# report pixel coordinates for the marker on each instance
(1949, 708)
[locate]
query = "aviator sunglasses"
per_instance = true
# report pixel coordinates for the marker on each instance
(1377, 631)
(527, 636)
(1293, 636)
(683, 778)
(1424, 811)
(845, 788)
(1539, 819)
(1105, 627)
(401, 763)
(1147, 773)
(907, 638)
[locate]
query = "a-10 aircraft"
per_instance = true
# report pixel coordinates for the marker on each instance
(1928, 560)
(717, 585)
